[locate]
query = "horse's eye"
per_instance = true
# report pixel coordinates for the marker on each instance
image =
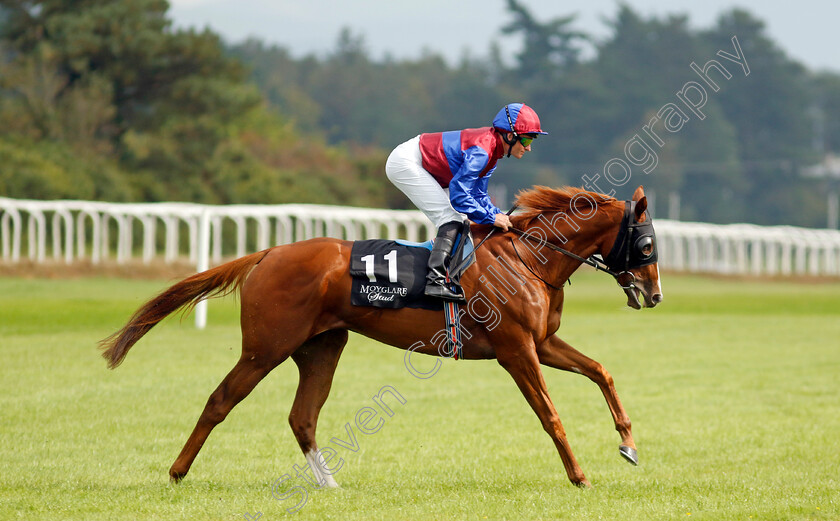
(645, 246)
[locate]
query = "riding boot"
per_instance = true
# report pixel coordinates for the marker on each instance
(436, 285)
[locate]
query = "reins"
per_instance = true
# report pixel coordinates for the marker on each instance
(595, 263)
(592, 262)
(534, 273)
(491, 232)
(598, 264)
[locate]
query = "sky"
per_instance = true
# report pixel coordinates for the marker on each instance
(806, 29)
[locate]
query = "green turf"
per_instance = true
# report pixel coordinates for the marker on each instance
(732, 387)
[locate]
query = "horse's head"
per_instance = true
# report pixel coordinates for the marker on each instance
(628, 251)
(633, 255)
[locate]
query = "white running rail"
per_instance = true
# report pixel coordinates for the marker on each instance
(66, 231)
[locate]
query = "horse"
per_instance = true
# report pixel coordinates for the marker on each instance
(295, 303)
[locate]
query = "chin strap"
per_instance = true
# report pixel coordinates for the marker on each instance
(512, 142)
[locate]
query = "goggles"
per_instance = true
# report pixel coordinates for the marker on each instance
(526, 140)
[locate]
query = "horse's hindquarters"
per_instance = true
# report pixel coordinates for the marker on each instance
(289, 297)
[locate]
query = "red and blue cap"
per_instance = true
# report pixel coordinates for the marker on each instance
(518, 118)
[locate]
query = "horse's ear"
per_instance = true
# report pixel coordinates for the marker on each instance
(639, 193)
(641, 203)
(641, 206)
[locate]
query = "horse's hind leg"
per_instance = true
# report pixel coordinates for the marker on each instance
(316, 360)
(556, 353)
(241, 380)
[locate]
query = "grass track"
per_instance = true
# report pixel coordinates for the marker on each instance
(732, 387)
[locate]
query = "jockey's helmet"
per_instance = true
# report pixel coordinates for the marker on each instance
(518, 118)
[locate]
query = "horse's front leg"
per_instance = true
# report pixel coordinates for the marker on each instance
(524, 366)
(556, 353)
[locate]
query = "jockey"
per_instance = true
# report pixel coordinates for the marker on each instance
(445, 175)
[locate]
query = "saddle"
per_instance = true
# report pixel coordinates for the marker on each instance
(392, 273)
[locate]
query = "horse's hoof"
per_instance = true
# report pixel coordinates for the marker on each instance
(585, 484)
(629, 453)
(176, 477)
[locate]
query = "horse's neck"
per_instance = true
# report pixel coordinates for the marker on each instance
(583, 237)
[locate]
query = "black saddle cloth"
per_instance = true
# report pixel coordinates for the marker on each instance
(392, 274)
(388, 274)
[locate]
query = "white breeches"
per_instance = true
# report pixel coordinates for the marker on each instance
(405, 169)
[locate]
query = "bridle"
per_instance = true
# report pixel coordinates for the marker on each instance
(634, 247)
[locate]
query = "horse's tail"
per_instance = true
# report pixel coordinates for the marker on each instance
(216, 282)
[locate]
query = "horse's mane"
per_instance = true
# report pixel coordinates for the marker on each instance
(542, 199)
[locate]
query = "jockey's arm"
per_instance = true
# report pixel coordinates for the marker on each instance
(468, 191)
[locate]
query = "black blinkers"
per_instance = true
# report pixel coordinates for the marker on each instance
(635, 245)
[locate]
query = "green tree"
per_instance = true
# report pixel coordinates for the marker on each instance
(113, 76)
(284, 81)
(643, 65)
(548, 48)
(827, 112)
(771, 111)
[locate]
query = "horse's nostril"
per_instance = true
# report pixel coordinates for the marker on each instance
(657, 298)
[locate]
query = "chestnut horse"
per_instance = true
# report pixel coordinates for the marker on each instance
(295, 303)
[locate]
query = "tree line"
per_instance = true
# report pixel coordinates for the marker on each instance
(106, 100)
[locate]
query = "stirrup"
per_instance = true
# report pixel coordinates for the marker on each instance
(442, 291)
